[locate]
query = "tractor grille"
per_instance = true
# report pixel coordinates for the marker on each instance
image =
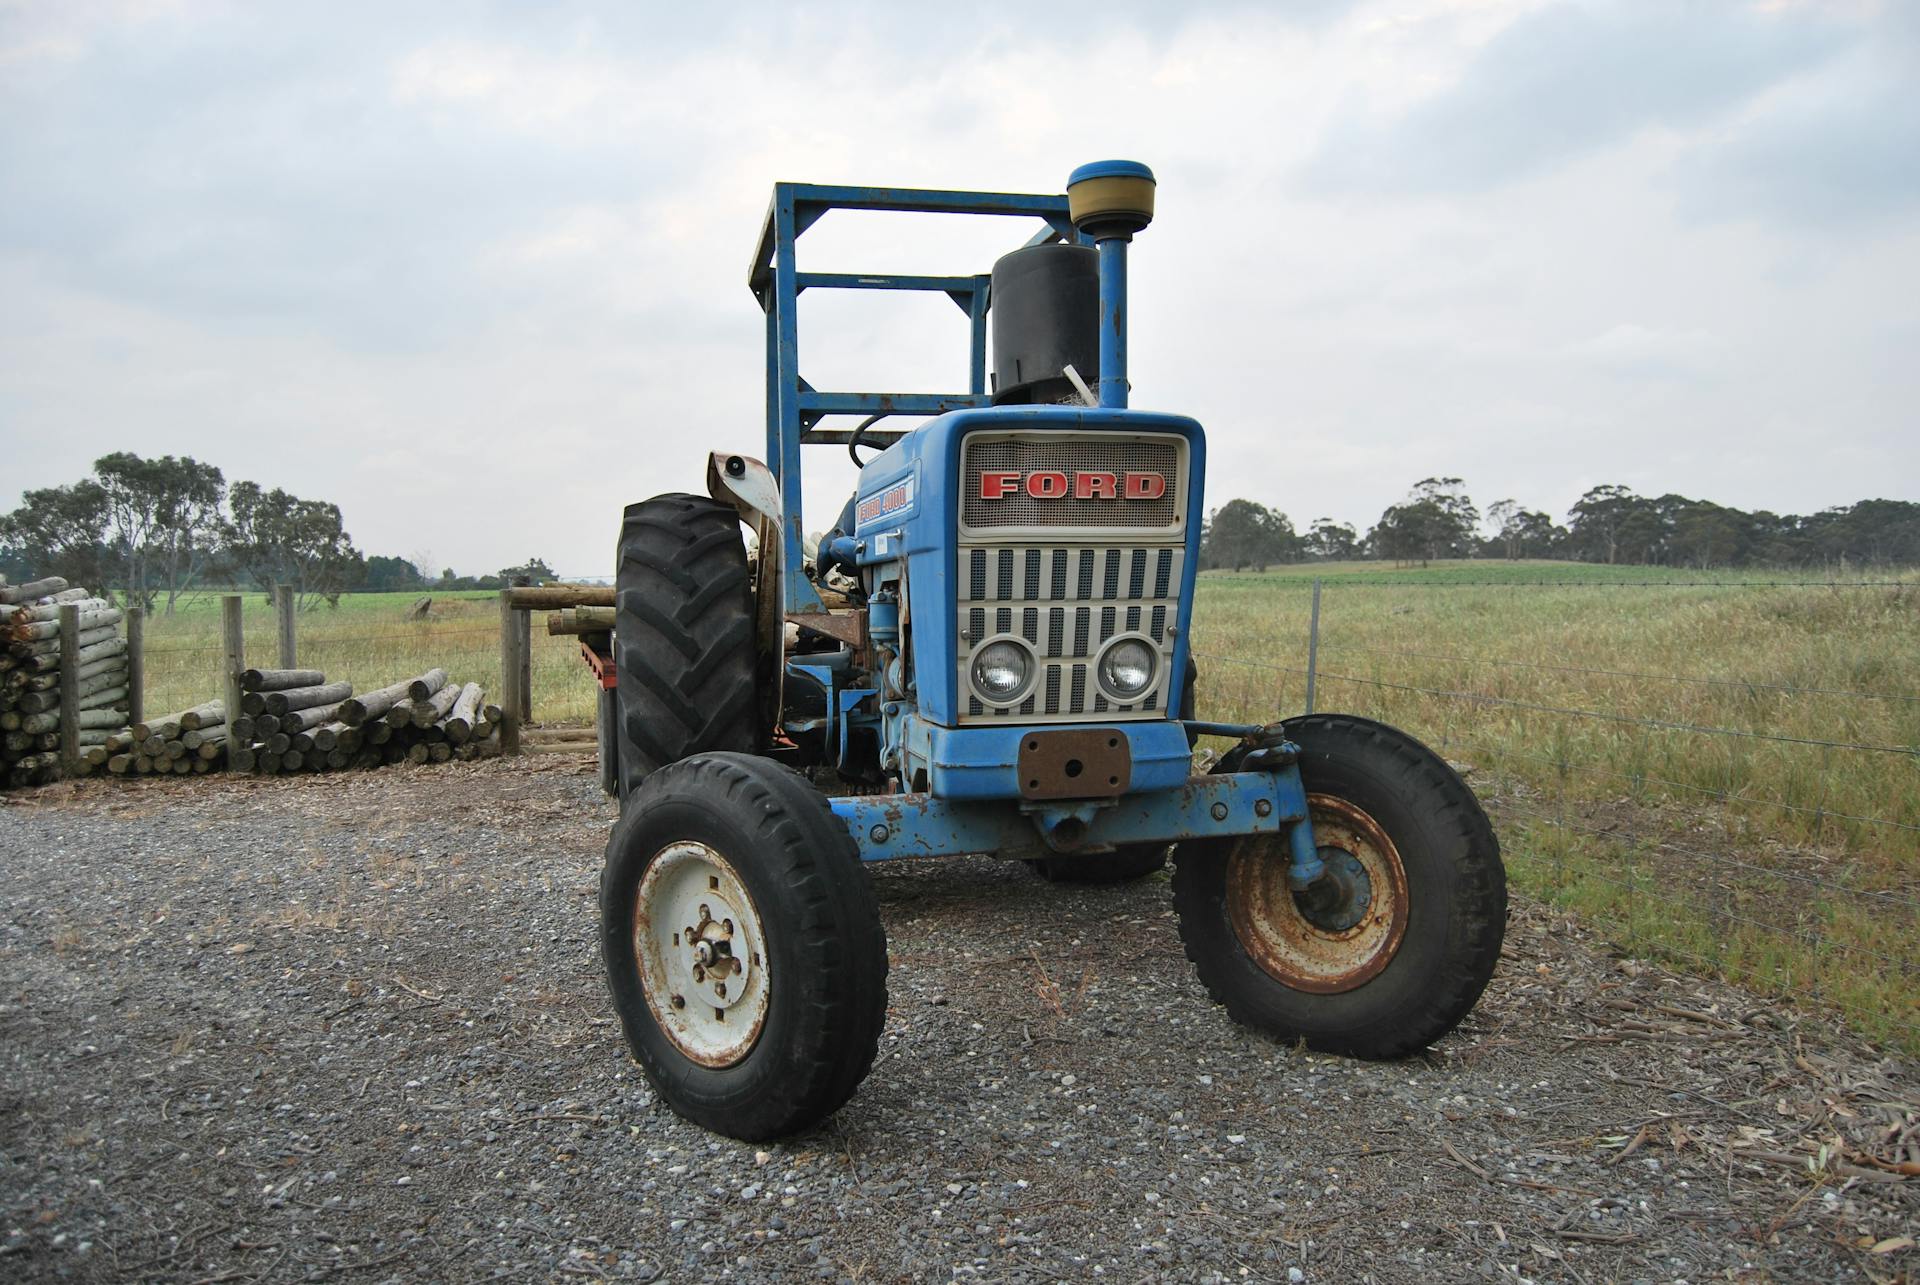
(1072, 454)
(1067, 601)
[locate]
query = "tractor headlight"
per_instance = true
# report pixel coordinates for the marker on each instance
(1126, 669)
(1002, 671)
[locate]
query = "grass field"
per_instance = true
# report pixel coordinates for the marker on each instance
(1785, 855)
(369, 641)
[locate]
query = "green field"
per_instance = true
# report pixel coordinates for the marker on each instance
(1576, 696)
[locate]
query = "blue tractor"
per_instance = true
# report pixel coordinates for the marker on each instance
(989, 652)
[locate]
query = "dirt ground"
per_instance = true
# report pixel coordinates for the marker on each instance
(353, 1028)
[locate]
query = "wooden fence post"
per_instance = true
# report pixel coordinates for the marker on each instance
(511, 638)
(70, 764)
(136, 666)
(234, 639)
(523, 622)
(283, 601)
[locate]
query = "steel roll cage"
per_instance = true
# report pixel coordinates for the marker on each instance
(794, 407)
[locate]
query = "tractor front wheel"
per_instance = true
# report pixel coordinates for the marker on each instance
(743, 946)
(1389, 949)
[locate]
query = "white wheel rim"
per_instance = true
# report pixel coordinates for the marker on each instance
(702, 954)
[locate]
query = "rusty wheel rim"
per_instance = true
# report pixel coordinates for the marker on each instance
(701, 954)
(1279, 934)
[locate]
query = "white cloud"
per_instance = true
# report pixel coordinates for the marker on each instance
(479, 259)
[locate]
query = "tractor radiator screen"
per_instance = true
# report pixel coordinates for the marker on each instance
(1056, 479)
(1068, 603)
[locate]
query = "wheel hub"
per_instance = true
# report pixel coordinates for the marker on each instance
(1345, 927)
(699, 944)
(1339, 898)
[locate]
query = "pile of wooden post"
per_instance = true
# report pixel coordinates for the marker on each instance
(580, 620)
(30, 677)
(293, 720)
(192, 741)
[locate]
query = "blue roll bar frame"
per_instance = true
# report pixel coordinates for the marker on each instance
(794, 407)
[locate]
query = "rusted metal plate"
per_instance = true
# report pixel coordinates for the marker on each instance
(843, 626)
(601, 663)
(1349, 944)
(1075, 763)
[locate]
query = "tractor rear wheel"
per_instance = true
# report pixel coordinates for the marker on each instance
(683, 640)
(1392, 947)
(743, 945)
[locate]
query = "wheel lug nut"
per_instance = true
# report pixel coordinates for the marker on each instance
(679, 1001)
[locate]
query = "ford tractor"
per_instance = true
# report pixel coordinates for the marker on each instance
(988, 651)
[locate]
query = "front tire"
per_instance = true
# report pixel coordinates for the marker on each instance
(743, 946)
(1389, 951)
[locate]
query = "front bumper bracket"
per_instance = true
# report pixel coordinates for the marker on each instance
(1269, 801)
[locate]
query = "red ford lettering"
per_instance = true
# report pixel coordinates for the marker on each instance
(997, 486)
(1050, 484)
(1095, 486)
(1046, 486)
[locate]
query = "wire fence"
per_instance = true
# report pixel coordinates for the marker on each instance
(370, 642)
(1730, 781)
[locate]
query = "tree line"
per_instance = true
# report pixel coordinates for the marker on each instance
(154, 529)
(1609, 524)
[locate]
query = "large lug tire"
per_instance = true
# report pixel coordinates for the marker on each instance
(1393, 948)
(743, 946)
(683, 639)
(606, 733)
(1135, 860)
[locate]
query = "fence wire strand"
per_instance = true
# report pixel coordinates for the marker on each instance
(1487, 698)
(1736, 683)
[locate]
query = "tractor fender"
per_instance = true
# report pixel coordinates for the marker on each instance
(750, 487)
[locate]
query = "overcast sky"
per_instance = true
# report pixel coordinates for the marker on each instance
(477, 272)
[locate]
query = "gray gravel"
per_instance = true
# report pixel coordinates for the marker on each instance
(295, 1030)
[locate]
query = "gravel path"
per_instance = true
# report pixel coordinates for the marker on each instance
(264, 1030)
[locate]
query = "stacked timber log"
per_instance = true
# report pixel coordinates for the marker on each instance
(30, 678)
(192, 741)
(293, 720)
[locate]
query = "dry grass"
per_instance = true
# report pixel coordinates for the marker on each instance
(1786, 855)
(369, 641)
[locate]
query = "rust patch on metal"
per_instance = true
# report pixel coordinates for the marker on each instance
(1279, 937)
(846, 627)
(1075, 763)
